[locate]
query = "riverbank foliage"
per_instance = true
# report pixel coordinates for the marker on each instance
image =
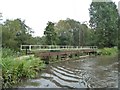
(103, 30)
(15, 70)
(108, 51)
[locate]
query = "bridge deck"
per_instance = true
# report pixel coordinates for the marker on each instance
(55, 50)
(41, 54)
(44, 51)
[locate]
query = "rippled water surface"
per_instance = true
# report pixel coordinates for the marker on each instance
(97, 72)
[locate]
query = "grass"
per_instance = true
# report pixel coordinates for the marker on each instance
(15, 70)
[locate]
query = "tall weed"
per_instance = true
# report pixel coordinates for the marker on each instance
(15, 70)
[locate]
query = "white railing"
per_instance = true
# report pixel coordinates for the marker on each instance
(55, 47)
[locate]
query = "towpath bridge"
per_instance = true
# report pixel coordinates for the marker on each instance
(47, 51)
(56, 47)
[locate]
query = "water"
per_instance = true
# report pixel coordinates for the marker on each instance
(97, 72)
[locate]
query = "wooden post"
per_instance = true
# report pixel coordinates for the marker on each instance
(71, 56)
(57, 57)
(47, 60)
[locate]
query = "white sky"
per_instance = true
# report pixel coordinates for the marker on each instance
(37, 13)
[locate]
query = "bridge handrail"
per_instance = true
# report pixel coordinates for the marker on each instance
(46, 47)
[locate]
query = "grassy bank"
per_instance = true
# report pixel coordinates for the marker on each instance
(108, 51)
(15, 70)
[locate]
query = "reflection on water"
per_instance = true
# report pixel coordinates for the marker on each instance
(98, 72)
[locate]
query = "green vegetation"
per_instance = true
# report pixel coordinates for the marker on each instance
(108, 51)
(15, 33)
(119, 36)
(15, 70)
(6, 52)
(67, 32)
(50, 34)
(103, 32)
(104, 20)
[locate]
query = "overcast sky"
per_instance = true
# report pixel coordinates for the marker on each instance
(37, 13)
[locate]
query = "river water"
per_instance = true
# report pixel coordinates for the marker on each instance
(95, 72)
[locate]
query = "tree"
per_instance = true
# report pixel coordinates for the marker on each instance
(64, 32)
(50, 34)
(39, 40)
(0, 30)
(119, 35)
(91, 37)
(15, 33)
(75, 29)
(71, 32)
(104, 18)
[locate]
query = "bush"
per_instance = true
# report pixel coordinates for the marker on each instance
(14, 70)
(6, 52)
(108, 51)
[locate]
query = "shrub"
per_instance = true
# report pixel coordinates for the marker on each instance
(14, 70)
(108, 51)
(6, 52)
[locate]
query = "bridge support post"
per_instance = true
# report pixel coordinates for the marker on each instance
(71, 56)
(58, 57)
(47, 60)
(88, 53)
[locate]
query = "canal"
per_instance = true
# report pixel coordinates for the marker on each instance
(95, 72)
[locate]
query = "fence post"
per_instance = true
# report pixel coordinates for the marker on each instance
(21, 47)
(30, 47)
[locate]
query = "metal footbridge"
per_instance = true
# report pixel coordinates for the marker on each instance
(56, 47)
